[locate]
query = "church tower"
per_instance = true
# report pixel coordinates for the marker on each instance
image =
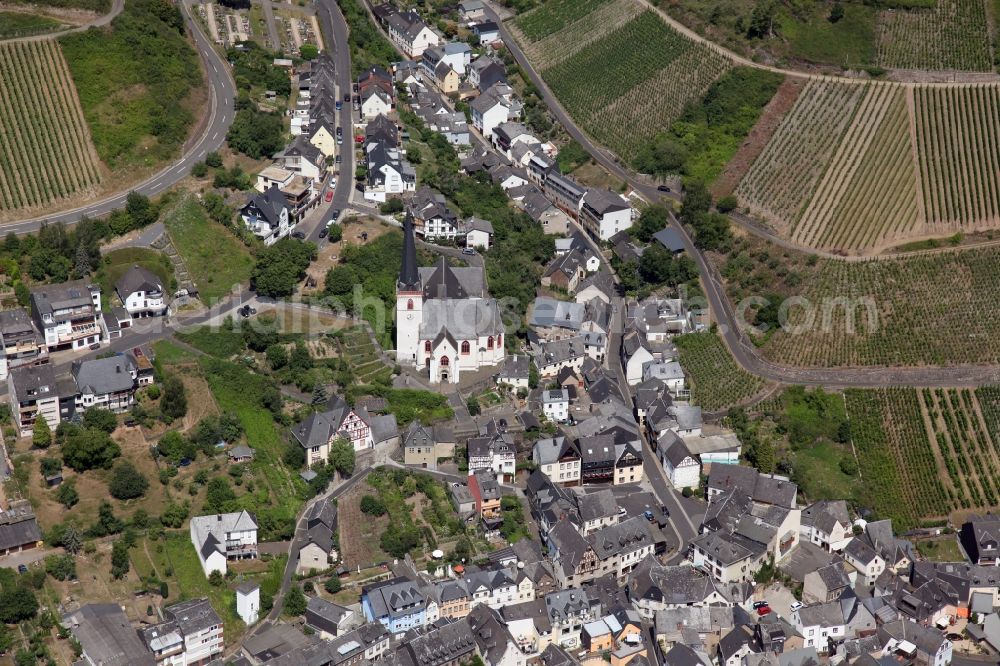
(409, 300)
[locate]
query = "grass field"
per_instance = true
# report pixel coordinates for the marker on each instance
(716, 381)
(17, 24)
(114, 264)
(953, 34)
(215, 259)
(99, 6)
(46, 154)
(622, 72)
(886, 312)
(135, 82)
(862, 167)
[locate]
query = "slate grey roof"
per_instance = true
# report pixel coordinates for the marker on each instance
(442, 281)
(672, 585)
(212, 529)
(20, 528)
(193, 616)
(516, 366)
(551, 312)
(317, 429)
(394, 598)
(550, 450)
(52, 297)
(676, 451)
(828, 614)
(726, 548)
(597, 505)
(826, 514)
(16, 322)
(106, 636)
(604, 201)
(34, 379)
(384, 427)
(669, 238)
(136, 279)
(324, 615)
(101, 376)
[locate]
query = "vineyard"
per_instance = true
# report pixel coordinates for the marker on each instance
(901, 475)
(861, 167)
(933, 309)
(46, 153)
(954, 34)
(715, 380)
(622, 72)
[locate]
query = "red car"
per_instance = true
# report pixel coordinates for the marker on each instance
(763, 610)
(329, 196)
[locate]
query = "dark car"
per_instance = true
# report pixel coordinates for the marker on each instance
(663, 188)
(339, 160)
(95, 346)
(760, 604)
(347, 97)
(339, 105)
(323, 232)
(334, 215)
(246, 311)
(298, 234)
(340, 131)
(22, 569)
(184, 462)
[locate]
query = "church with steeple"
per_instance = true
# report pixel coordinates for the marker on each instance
(446, 323)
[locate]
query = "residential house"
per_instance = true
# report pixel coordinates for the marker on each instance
(268, 215)
(910, 640)
(410, 33)
(604, 213)
(68, 314)
(397, 603)
(375, 102)
(612, 550)
(493, 107)
(568, 611)
(762, 488)
(980, 537)
(832, 622)
(328, 619)
(318, 431)
(141, 292)
(486, 493)
(34, 391)
(860, 555)
(388, 173)
(558, 459)
(106, 636)
(552, 219)
(222, 537)
(653, 588)
(21, 342)
(456, 55)
(478, 233)
(564, 192)
(485, 72)
(425, 445)
(825, 584)
(488, 32)
(555, 405)
(200, 627)
(598, 285)
(432, 216)
(515, 372)
(682, 468)
(302, 158)
(827, 524)
(472, 10)
(318, 551)
(494, 452)
(19, 529)
(107, 383)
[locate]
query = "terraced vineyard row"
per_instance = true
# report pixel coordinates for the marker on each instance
(957, 140)
(933, 309)
(633, 80)
(900, 471)
(857, 166)
(553, 16)
(716, 381)
(954, 34)
(45, 148)
(559, 46)
(783, 177)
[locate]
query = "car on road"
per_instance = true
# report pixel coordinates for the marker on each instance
(340, 139)
(648, 513)
(663, 188)
(468, 250)
(339, 105)
(795, 605)
(95, 346)
(329, 196)
(340, 131)
(324, 232)
(347, 97)
(339, 160)
(760, 604)
(298, 234)
(334, 214)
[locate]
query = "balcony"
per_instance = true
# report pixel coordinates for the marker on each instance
(78, 332)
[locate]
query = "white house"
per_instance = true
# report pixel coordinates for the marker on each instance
(141, 292)
(317, 432)
(555, 405)
(410, 33)
(478, 233)
(681, 467)
(635, 357)
(493, 452)
(267, 215)
(201, 628)
(388, 173)
(68, 314)
(863, 557)
(20, 342)
(827, 524)
(375, 102)
(492, 108)
(222, 537)
(604, 213)
(818, 624)
(248, 601)
(558, 459)
(108, 383)
(669, 372)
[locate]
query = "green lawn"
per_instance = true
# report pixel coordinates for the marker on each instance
(16, 24)
(190, 578)
(215, 258)
(945, 549)
(817, 470)
(850, 42)
(168, 353)
(217, 342)
(114, 264)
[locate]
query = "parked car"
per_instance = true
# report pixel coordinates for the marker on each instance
(763, 610)
(22, 569)
(340, 131)
(334, 215)
(468, 250)
(95, 346)
(760, 604)
(347, 97)
(339, 105)
(339, 160)
(795, 605)
(648, 515)
(298, 234)
(323, 232)
(246, 311)
(663, 188)
(329, 196)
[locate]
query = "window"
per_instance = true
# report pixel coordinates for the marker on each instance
(427, 346)
(500, 340)
(489, 342)
(409, 304)
(444, 361)
(465, 347)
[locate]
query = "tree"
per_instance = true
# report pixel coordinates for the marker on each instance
(119, 559)
(17, 603)
(711, 232)
(336, 233)
(60, 567)
(213, 159)
(261, 333)
(761, 20)
(372, 505)
(473, 406)
(174, 514)
(139, 208)
(332, 585)
(308, 51)
(174, 446)
(300, 359)
(256, 133)
(50, 465)
(319, 395)
(277, 356)
(107, 522)
(127, 482)
(67, 494)
(392, 204)
(342, 456)
(653, 219)
(173, 404)
(199, 170)
(219, 496)
(295, 602)
(82, 266)
(697, 200)
(41, 434)
(86, 448)
(849, 466)
(281, 266)
(101, 419)
(215, 579)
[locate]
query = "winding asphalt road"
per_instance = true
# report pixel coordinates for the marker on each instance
(222, 91)
(747, 355)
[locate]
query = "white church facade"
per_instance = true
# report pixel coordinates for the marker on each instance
(446, 322)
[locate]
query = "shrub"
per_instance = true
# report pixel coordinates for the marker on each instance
(332, 585)
(372, 505)
(127, 482)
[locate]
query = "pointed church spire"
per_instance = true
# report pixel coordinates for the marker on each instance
(409, 277)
